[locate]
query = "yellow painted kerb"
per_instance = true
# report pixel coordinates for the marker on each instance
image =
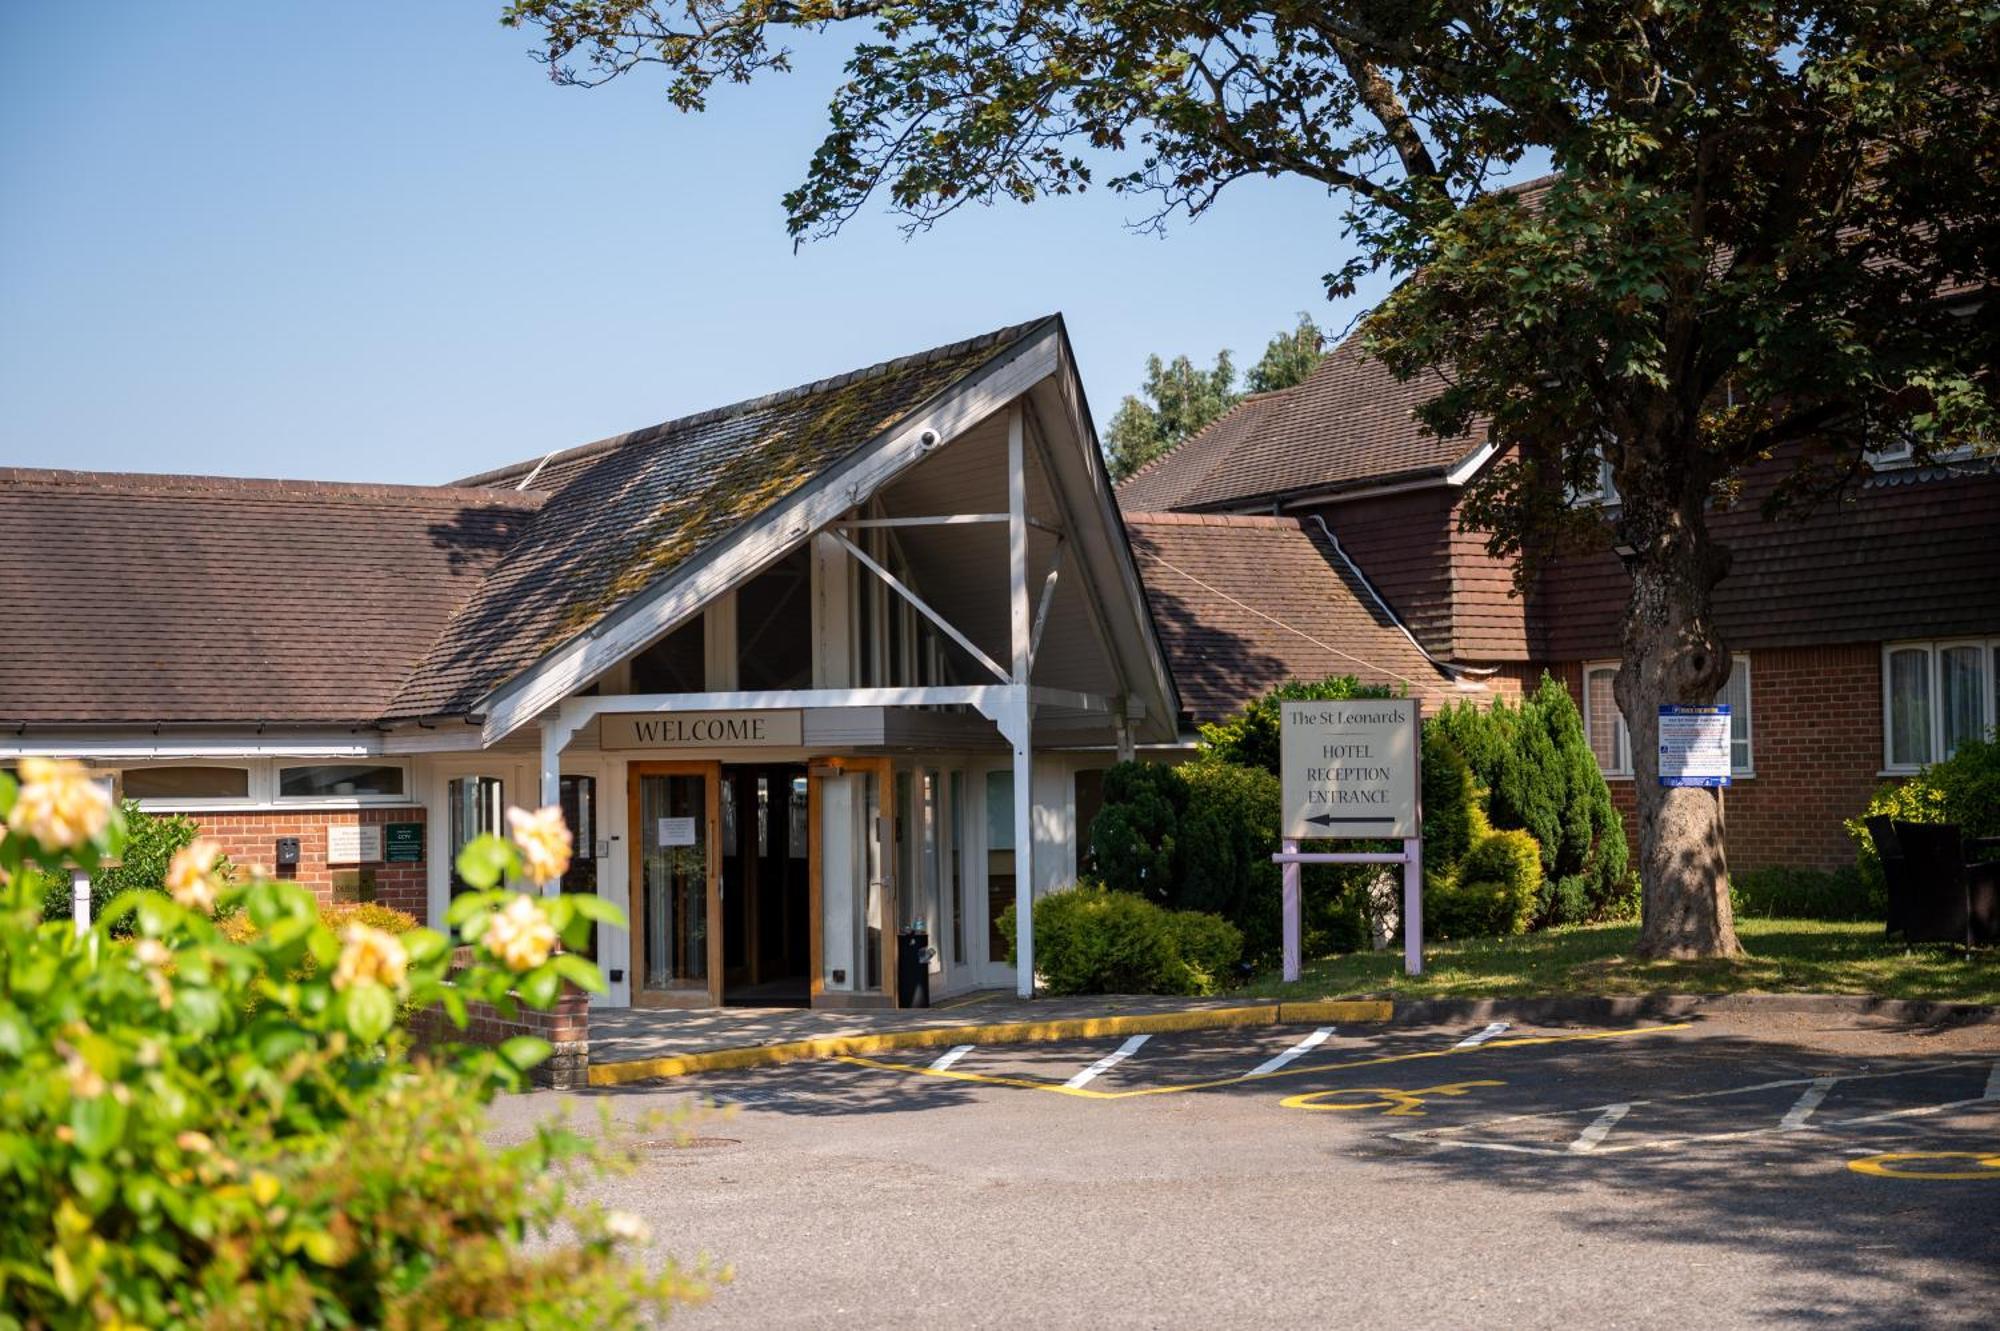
(1012, 1032)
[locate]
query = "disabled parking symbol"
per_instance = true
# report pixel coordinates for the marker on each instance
(1391, 1102)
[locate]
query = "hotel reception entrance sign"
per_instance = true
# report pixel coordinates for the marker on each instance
(1350, 768)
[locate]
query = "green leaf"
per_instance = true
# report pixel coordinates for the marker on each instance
(99, 1124)
(96, 1187)
(597, 908)
(370, 1011)
(425, 945)
(581, 972)
(539, 987)
(526, 1051)
(487, 860)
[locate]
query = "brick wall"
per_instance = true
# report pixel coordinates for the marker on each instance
(250, 837)
(1816, 745)
(566, 1026)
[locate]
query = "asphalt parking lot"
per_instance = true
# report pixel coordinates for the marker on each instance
(1719, 1172)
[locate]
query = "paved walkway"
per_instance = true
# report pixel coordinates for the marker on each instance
(623, 1035)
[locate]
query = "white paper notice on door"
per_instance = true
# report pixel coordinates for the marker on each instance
(677, 831)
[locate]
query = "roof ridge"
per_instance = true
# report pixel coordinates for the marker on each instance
(186, 483)
(763, 402)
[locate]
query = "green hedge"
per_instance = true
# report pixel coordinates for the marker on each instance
(1497, 890)
(1963, 789)
(1535, 762)
(151, 842)
(1092, 940)
(1806, 894)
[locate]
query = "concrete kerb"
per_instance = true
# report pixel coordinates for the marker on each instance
(1562, 1010)
(1011, 1032)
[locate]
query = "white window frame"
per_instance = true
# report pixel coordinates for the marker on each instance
(1748, 718)
(408, 796)
(1934, 650)
(1605, 493)
(255, 793)
(1897, 454)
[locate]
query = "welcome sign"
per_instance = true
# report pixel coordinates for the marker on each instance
(672, 731)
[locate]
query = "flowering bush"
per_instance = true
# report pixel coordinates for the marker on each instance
(199, 1128)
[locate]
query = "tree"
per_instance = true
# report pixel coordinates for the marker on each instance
(1289, 357)
(1178, 401)
(1758, 211)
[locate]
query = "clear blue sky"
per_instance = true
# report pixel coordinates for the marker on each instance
(369, 240)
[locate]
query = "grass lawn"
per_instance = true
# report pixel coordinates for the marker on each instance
(1795, 956)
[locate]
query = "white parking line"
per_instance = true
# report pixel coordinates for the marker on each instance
(1588, 1139)
(1802, 1109)
(1303, 1047)
(1105, 1064)
(951, 1056)
(1481, 1037)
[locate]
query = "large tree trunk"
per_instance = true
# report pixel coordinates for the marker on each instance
(1673, 654)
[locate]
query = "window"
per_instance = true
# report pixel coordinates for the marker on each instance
(1604, 492)
(187, 783)
(1611, 740)
(1936, 696)
(1899, 446)
(774, 626)
(340, 781)
(476, 805)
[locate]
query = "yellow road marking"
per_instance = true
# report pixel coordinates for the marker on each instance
(1394, 1103)
(1295, 1070)
(1884, 1166)
(1011, 1032)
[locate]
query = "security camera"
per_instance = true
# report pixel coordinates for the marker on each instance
(927, 440)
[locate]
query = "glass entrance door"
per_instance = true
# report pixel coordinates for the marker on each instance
(675, 884)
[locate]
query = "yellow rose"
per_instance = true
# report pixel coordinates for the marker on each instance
(191, 875)
(544, 841)
(520, 937)
(59, 805)
(370, 956)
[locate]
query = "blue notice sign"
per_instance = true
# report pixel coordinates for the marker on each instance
(1694, 745)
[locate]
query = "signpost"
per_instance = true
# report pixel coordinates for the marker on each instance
(1350, 769)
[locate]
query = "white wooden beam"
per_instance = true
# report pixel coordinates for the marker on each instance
(1042, 608)
(1020, 715)
(941, 520)
(946, 626)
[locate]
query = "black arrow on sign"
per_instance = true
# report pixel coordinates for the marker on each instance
(1327, 820)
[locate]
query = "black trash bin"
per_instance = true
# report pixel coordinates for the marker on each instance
(913, 968)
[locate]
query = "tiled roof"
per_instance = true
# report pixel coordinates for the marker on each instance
(1916, 554)
(1349, 423)
(1246, 603)
(133, 598)
(1166, 482)
(623, 512)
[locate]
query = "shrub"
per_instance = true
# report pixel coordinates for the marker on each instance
(1807, 894)
(1496, 889)
(150, 843)
(1092, 940)
(1137, 830)
(1535, 762)
(1229, 831)
(1963, 789)
(1453, 816)
(192, 1133)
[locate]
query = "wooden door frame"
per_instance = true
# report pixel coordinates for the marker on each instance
(884, 769)
(634, 771)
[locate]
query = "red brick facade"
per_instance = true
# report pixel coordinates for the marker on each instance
(1816, 747)
(250, 837)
